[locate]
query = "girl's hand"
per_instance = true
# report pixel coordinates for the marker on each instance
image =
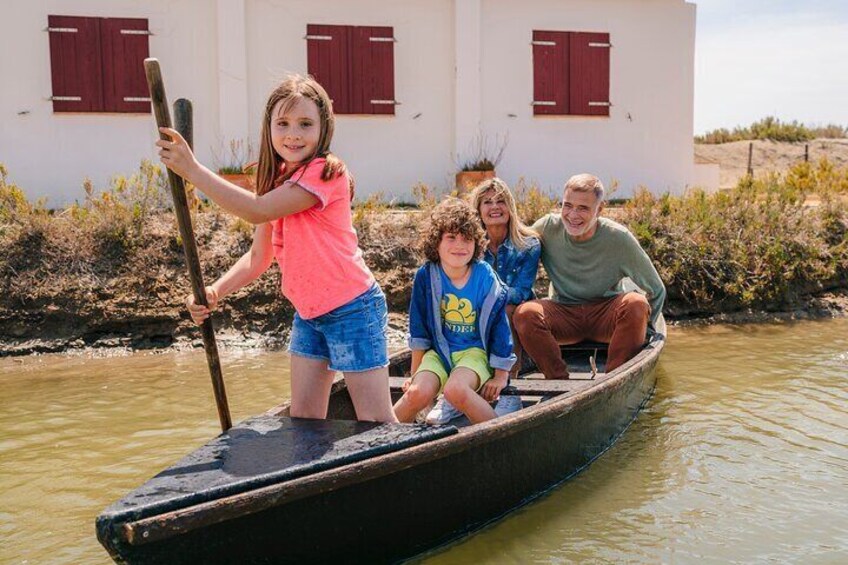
(493, 387)
(176, 154)
(199, 312)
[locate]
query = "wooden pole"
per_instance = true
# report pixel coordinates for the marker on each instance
(184, 123)
(184, 120)
(806, 152)
(751, 159)
(163, 119)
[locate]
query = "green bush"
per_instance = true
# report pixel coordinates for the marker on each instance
(771, 128)
(532, 202)
(115, 218)
(14, 205)
(759, 245)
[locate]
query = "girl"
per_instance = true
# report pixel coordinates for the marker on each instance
(513, 249)
(301, 209)
(459, 334)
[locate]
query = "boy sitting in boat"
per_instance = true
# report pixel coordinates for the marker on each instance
(459, 333)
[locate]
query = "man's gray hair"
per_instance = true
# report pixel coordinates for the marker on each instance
(586, 183)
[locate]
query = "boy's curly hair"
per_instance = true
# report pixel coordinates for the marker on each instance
(452, 215)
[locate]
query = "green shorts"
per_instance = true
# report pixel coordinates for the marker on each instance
(472, 358)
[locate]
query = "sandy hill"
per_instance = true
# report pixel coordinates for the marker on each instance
(768, 156)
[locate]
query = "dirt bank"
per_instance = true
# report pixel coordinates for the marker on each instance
(134, 299)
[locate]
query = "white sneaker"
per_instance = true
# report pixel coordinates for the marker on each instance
(443, 412)
(508, 404)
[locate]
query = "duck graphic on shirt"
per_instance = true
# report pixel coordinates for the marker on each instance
(458, 314)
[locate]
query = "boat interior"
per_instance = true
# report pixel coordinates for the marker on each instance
(273, 448)
(586, 363)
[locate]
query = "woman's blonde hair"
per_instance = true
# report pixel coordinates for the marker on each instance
(456, 216)
(517, 230)
(290, 91)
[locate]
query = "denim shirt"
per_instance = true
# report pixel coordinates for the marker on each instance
(516, 268)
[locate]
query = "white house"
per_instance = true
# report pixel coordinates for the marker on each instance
(603, 86)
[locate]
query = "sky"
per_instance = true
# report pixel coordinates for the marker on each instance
(783, 58)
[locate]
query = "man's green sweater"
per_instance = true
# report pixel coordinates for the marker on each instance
(593, 270)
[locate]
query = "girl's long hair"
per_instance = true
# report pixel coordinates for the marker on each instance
(292, 89)
(518, 231)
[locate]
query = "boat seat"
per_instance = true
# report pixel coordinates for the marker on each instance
(267, 450)
(536, 384)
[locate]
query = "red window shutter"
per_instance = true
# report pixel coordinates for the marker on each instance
(589, 69)
(125, 47)
(550, 72)
(327, 54)
(75, 63)
(373, 70)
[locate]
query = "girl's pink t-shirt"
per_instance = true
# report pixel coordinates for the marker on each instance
(317, 249)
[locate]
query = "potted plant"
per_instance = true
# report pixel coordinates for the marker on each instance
(484, 156)
(235, 164)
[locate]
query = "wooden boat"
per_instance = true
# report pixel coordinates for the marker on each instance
(275, 489)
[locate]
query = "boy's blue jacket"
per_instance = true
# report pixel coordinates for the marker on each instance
(425, 317)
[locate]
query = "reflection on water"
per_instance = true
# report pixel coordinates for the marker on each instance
(742, 454)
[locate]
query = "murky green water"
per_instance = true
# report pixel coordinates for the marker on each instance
(741, 456)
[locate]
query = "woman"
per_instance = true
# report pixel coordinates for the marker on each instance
(513, 249)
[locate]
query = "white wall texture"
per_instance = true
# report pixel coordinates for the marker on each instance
(646, 140)
(49, 154)
(460, 65)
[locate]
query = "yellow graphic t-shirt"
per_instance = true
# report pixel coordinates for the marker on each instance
(460, 309)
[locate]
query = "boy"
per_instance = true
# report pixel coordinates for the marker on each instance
(459, 334)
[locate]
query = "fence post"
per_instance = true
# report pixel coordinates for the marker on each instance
(750, 159)
(806, 152)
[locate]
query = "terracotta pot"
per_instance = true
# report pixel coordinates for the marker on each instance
(467, 180)
(242, 180)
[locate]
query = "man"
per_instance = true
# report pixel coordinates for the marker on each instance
(586, 258)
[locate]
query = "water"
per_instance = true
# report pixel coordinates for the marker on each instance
(741, 455)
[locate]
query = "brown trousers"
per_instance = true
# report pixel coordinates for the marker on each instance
(542, 325)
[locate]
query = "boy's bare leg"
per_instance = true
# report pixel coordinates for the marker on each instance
(423, 389)
(461, 391)
(369, 391)
(310, 387)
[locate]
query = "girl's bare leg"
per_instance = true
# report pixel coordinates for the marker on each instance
(461, 391)
(421, 392)
(310, 385)
(369, 391)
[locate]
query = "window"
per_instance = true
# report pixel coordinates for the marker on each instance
(97, 64)
(355, 65)
(571, 73)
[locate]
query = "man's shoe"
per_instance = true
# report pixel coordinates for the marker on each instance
(507, 405)
(443, 412)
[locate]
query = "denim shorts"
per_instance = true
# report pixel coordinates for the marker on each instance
(351, 338)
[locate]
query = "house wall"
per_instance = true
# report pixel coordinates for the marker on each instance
(385, 153)
(646, 140)
(49, 154)
(461, 66)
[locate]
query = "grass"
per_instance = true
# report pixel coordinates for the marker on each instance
(771, 128)
(756, 246)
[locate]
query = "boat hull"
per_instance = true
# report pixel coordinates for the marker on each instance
(401, 505)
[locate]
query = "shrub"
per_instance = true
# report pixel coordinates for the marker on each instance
(364, 211)
(772, 129)
(115, 218)
(532, 203)
(14, 205)
(758, 245)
